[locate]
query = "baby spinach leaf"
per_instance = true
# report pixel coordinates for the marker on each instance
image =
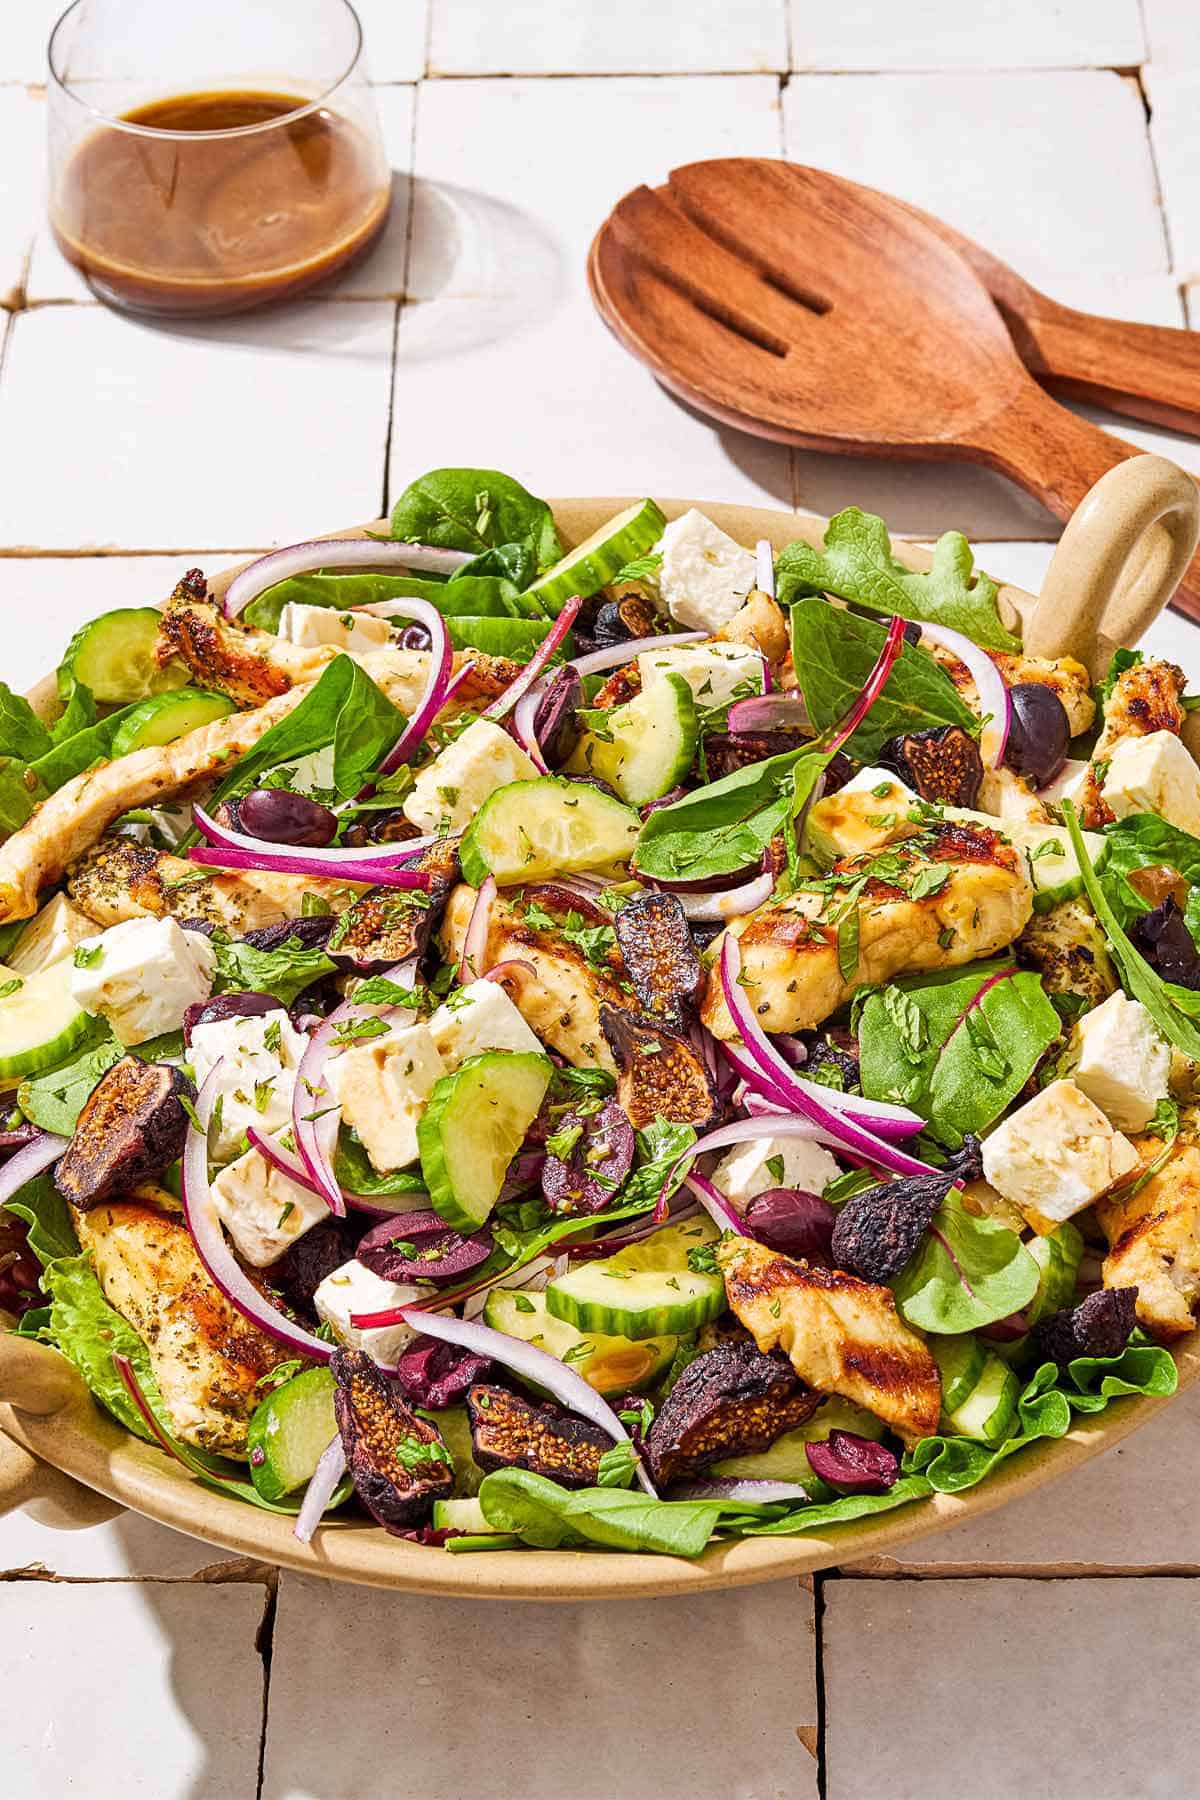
(968, 1272)
(516, 639)
(659, 1147)
(79, 711)
(834, 652)
(476, 510)
(723, 827)
(356, 1173)
(818, 1514)
(285, 972)
(43, 1209)
(55, 1099)
(545, 1515)
(70, 755)
(958, 1051)
(485, 595)
(511, 562)
(858, 565)
(22, 734)
(20, 792)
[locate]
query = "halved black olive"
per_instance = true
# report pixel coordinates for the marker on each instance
(1098, 1326)
(660, 956)
(732, 1401)
(658, 1072)
(397, 1460)
(1039, 732)
(131, 1129)
(306, 1262)
(509, 1432)
(941, 763)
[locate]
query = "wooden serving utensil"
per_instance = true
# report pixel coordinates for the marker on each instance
(801, 307)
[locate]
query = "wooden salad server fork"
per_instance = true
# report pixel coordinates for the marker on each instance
(801, 307)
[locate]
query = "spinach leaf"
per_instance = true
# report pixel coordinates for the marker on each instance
(515, 638)
(1159, 997)
(476, 510)
(354, 1171)
(55, 1099)
(43, 1209)
(1120, 660)
(659, 1147)
(511, 562)
(343, 709)
(285, 972)
(723, 827)
(545, 1515)
(957, 1051)
(834, 652)
(22, 734)
(71, 755)
(968, 1272)
(1140, 842)
(816, 1515)
(20, 792)
(858, 565)
(481, 595)
(79, 711)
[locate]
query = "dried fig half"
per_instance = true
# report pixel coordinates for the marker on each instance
(397, 1460)
(941, 763)
(131, 1129)
(510, 1432)
(732, 1401)
(658, 1072)
(659, 954)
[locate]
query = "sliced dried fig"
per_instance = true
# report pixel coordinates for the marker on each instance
(660, 956)
(397, 1460)
(878, 1230)
(131, 1129)
(732, 1401)
(941, 763)
(510, 1432)
(658, 1072)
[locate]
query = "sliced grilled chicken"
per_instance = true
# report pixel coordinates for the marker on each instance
(1155, 1240)
(206, 1358)
(120, 879)
(1066, 677)
(936, 901)
(844, 1336)
(1145, 699)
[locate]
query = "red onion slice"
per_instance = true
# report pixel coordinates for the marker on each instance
(727, 1487)
(29, 1161)
(181, 1452)
(779, 1084)
(503, 704)
(473, 966)
(769, 712)
(339, 860)
(729, 904)
(376, 871)
(524, 721)
(994, 703)
(874, 685)
(718, 1208)
(376, 1206)
(200, 1216)
(335, 553)
(595, 660)
(764, 568)
(807, 1096)
(438, 685)
(532, 1365)
(322, 1485)
(743, 1131)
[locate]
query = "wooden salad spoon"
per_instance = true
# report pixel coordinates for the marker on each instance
(801, 307)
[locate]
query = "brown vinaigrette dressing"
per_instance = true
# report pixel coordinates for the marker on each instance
(215, 225)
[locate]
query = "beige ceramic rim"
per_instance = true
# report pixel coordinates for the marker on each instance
(58, 1421)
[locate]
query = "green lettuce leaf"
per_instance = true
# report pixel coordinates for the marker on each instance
(91, 1333)
(966, 1273)
(1140, 842)
(547, 1516)
(286, 972)
(840, 1511)
(353, 1169)
(43, 1209)
(55, 1099)
(857, 564)
(725, 826)
(22, 734)
(476, 510)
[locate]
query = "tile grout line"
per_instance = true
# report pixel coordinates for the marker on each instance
(401, 298)
(819, 1580)
(264, 1643)
(1159, 193)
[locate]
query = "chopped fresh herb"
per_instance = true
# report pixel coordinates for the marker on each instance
(523, 1303)
(86, 956)
(774, 1168)
(11, 987)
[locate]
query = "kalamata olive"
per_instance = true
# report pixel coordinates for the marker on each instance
(792, 1221)
(432, 1373)
(227, 1006)
(555, 724)
(420, 1246)
(414, 637)
(1039, 732)
(598, 1156)
(286, 818)
(855, 1464)
(912, 632)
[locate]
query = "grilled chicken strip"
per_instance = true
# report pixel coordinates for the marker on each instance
(206, 1358)
(1145, 698)
(71, 820)
(791, 961)
(1155, 1240)
(121, 879)
(561, 1000)
(844, 1336)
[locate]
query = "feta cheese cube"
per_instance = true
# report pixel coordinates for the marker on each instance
(1056, 1154)
(479, 1017)
(449, 791)
(769, 1162)
(382, 1086)
(1154, 774)
(356, 1289)
(1121, 1061)
(716, 673)
(259, 1057)
(263, 1210)
(50, 936)
(142, 976)
(312, 626)
(705, 575)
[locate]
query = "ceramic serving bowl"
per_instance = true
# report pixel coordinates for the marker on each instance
(1117, 564)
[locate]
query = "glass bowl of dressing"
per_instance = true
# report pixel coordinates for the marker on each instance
(211, 159)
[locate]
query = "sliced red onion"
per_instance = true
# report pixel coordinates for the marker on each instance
(524, 724)
(281, 1159)
(513, 968)
(503, 704)
(315, 1115)
(729, 904)
(726, 1487)
(595, 660)
(743, 1131)
(772, 1077)
(440, 690)
(722, 1214)
(29, 1161)
(764, 568)
(768, 680)
(874, 685)
(335, 553)
(807, 1096)
(994, 703)
(19, 1137)
(473, 965)
(322, 1485)
(378, 870)
(200, 1216)
(338, 860)
(532, 1365)
(769, 712)
(181, 1452)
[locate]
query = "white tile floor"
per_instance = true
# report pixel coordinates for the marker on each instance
(1027, 125)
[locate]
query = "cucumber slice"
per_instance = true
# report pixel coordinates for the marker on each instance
(785, 1460)
(455, 1428)
(40, 1021)
(472, 1128)
(645, 1291)
(461, 1515)
(534, 830)
(164, 717)
(594, 563)
(960, 1362)
(989, 1409)
(1058, 1256)
(114, 657)
(1053, 865)
(649, 745)
(288, 1433)
(612, 1365)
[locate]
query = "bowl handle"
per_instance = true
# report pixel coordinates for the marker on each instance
(1117, 564)
(33, 1377)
